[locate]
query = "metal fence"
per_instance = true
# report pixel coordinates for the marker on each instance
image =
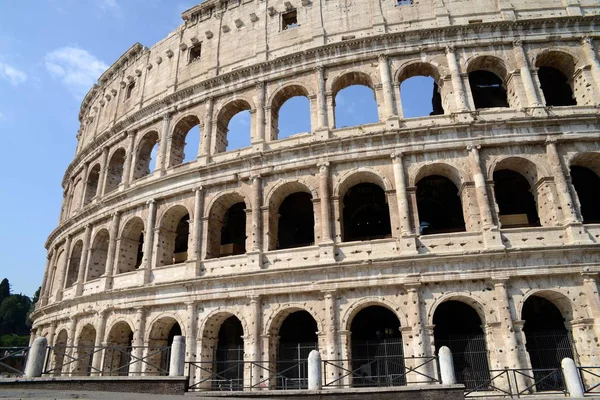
(590, 377)
(470, 356)
(520, 382)
(13, 360)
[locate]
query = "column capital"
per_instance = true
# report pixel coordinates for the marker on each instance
(500, 281)
(383, 57)
(324, 166)
(449, 49)
(586, 40)
(319, 68)
(397, 156)
(259, 85)
(474, 147)
(517, 43)
(550, 141)
(254, 298)
(166, 117)
(151, 201)
(328, 294)
(198, 189)
(413, 287)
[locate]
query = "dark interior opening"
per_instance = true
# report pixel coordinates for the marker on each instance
(377, 354)
(181, 239)
(195, 52)
(289, 20)
(548, 341)
(439, 206)
(229, 356)
(297, 338)
(233, 233)
(458, 326)
(587, 185)
(436, 101)
(516, 203)
(366, 213)
(166, 355)
(555, 87)
(140, 251)
(487, 89)
(296, 226)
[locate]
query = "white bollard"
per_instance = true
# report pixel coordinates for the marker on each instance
(572, 380)
(36, 358)
(314, 371)
(177, 364)
(446, 366)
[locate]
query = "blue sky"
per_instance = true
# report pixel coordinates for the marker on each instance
(51, 52)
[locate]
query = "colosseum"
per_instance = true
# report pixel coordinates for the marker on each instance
(476, 227)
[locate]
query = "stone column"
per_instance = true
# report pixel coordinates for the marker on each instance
(99, 354)
(256, 214)
(255, 337)
(190, 344)
(592, 59)
(70, 351)
(82, 271)
(533, 99)
(163, 144)
(84, 181)
(63, 271)
(321, 99)
(136, 367)
(331, 353)
(590, 288)
(387, 87)
(43, 291)
(400, 183)
(459, 90)
(564, 194)
(420, 340)
(207, 132)
(149, 240)
(129, 167)
(103, 173)
(325, 202)
(197, 234)
(483, 201)
(260, 114)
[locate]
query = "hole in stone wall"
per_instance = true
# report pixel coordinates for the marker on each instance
(556, 88)
(195, 53)
(366, 214)
(233, 232)
(420, 97)
(487, 89)
(587, 185)
(515, 201)
(296, 226)
(458, 326)
(289, 20)
(439, 206)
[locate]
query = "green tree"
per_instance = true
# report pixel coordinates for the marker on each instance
(13, 315)
(4, 290)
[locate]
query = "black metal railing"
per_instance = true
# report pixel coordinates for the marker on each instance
(520, 382)
(13, 360)
(590, 378)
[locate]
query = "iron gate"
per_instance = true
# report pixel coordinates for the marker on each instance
(470, 356)
(292, 366)
(546, 350)
(378, 363)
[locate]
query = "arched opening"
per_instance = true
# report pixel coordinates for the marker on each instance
(60, 260)
(160, 341)
(296, 225)
(290, 112)
(439, 206)
(487, 89)
(420, 97)
(556, 71)
(297, 338)
(366, 214)
(174, 234)
(185, 141)
(85, 351)
(58, 353)
(233, 233)
(146, 155)
(98, 255)
(548, 341)
(458, 326)
(354, 100)
(516, 204)
(117, 355)
(377, 353)
(114, 173)
(587, 185)
(234, 126)
(556, 88)
(131, 246)
(75, 201)
(74, 262)
(91, 187)
(229, 356)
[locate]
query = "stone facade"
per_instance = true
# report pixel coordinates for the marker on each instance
(114, 277)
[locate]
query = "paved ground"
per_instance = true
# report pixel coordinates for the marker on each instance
(52, 394)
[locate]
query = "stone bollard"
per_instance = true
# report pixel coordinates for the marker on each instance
(314, 371)
(446, 366)
(177, 364)
(36, 358)
(572, 380)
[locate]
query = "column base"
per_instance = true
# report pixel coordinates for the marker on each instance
(407, 245)
(78, 288)
(58, 296)
(106, 281)
(323, 133)
(255, 259)
(577, 234)
(492, 239)
(204, 160)
(327, 252)
(392, 123)
(537, 111)
(258, 145)
(463, 116)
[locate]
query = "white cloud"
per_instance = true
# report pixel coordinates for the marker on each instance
(110, 6)
(12, 75)
(77, 69)
(2, 117)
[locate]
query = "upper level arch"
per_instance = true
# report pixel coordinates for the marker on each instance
(183, 127)
(225, 112)
(415, 77)
(146, 154)
(456, 175)
(361, 175)
(280, 97)
(489, 83)
(227, 225)
(174, 229)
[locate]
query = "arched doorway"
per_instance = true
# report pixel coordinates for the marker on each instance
(85, 351)
(297, 338)
(296, 221)
(377, 353)
(366, 213)
(117, 356)
(160, 341)
(458, 326)
(587, 186)
(439, 206)
(58, 353)
(548, 341)
(233, 233)
(516, 204)
(228, 364)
